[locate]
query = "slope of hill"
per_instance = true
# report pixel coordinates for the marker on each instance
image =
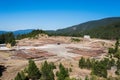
(98, 27)
(32, 34)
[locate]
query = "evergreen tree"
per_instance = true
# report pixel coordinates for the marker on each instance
(71, 78)
(52, 65)
(99, 69)
(118, 64)
(88, 64)
(106, 62)
(23, 75)
(33, 34)
(93, 62)
(116, 45)
(118, 67)
(33, 71)
(111, 63)
(47, 71)
(111, 51)
(82, 63)
(93, 77)
(18, 77)
(7, 38)
(2, 38)
(117, 54)
(86, 78)
(63, 73)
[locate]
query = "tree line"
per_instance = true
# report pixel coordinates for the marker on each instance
(7, 38)
(111, 31)
(44, 73)
(100, 67)
(33, 34)
(115, 53)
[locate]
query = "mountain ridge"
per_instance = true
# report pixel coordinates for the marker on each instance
(94, 28)
(90, 27)
(17, 32)
(91, 24)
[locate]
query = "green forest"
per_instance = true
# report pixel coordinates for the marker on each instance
(32, 34)
(45, 72)
(7, 38)
(108, 28)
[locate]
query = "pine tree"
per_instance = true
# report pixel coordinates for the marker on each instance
(33, 71)
(116, 45)
(86, 78)
(117, 54)
(112, 62)
(93, 77)
(7, 38)
(52, 65)
(18, 77)
(47, 71)
(63, 73)
(88, 64)
(82, 63)
(118, 67)
(99, 69)
(118, 64)
(23, 75)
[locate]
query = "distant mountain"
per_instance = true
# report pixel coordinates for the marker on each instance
(22, 31)
(18, 31)
(97, 28)
(1, 32)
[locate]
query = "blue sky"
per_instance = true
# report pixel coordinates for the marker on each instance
(53, 14)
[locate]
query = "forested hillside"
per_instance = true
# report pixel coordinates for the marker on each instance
(108, 28)
(32, 34)
(7, 38)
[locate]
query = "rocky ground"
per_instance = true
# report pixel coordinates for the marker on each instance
(52, 49)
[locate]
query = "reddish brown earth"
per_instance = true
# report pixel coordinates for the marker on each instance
(86, 52)
(17, 60)
(31, 54)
